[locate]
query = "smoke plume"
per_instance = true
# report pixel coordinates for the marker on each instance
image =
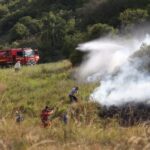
(122, 77)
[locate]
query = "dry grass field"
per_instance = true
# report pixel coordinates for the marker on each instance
(48, 84)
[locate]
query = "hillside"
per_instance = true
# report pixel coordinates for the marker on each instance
(115, 36)
(48, 84)
(56, 27)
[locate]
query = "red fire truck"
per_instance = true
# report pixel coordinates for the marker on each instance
(26, 56)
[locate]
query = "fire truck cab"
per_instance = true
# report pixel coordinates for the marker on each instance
(26, 56)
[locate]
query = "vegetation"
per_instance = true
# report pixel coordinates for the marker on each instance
(57, 27)
(48, 84)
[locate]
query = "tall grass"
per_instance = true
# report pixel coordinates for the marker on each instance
(48, 84)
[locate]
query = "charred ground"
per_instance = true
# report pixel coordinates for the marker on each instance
(127, 114)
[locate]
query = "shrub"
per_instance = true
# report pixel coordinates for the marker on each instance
(33, 25)
(99, 29)
(133, 16)
(76, 57)
(71, 42)
(3, 10)
(19, 31)
(25, 20)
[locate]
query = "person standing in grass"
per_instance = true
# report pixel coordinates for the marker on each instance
(17, 66)
(72, 94)
(45, 116)
(19, 116)
(65, 117)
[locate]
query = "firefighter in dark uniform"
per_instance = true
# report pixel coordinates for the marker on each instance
(72, 96)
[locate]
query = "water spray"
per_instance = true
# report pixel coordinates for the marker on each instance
(110, 61)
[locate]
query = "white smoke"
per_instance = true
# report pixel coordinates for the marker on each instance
(108, 60)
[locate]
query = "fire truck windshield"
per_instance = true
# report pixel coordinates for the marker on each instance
(29, 53)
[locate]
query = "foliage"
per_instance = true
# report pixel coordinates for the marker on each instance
(19, 31)
(143, 55)
(76, 57)
(52, 37)
(33, 25)
(10, 20)
(107, 11)
(32, 88)
(99, 29)
(3, 10)
(71, 41)
(56, 27)
(59, 26)
(133, 16)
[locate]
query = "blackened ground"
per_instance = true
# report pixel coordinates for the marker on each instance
(127, 114)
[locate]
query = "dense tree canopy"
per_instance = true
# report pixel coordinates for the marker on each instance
(132, 16)
(56, 27)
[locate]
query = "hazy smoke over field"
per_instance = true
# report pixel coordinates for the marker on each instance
(109, 61)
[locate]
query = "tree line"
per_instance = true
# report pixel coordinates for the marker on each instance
(56, 27)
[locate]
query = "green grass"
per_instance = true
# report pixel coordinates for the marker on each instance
(49, 84)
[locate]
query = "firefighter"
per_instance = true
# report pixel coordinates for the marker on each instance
(17, 66)
(45, 116)
(72, 96)
(19, 116)
(65, 117)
